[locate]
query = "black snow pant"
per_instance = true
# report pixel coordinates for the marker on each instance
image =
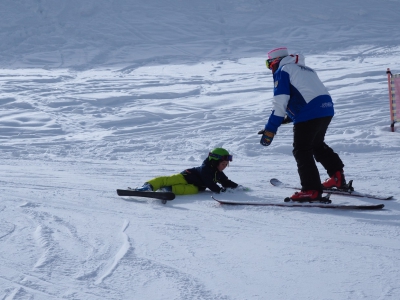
(308, 144)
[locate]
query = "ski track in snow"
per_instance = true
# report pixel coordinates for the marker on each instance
(111, 266)
(60, 251)
(6, 228)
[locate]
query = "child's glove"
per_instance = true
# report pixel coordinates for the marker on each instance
(267, 137)
(236, 189)
(242, 188)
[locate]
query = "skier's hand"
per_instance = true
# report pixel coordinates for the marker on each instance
(267, 137)
(237, 189)
(287, 120)
(242, 188)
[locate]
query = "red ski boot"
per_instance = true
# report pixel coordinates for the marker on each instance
(336, 181)
(304, 196)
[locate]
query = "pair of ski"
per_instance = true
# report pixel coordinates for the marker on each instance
(322, 203)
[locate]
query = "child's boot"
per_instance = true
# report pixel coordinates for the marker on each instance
(145, 188)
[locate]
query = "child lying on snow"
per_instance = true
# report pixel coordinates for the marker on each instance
(193, 180)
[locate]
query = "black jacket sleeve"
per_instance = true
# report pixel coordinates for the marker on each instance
(225, 182)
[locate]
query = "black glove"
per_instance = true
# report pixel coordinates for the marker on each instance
(222, 190)
(287, 120)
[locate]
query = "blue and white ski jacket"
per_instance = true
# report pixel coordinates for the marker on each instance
(299, 93)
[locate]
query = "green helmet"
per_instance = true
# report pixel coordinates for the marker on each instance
(219, 154)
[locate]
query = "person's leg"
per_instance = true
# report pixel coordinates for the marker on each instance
(323, 153)
(185, 189)
(328, 158)
(304, 138)
(172, 180)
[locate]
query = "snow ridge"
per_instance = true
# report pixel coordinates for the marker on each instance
(112, 264)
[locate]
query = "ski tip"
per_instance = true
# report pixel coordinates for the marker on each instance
(275, 181)
(219, 201)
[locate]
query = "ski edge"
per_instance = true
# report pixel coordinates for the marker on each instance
(291, 204)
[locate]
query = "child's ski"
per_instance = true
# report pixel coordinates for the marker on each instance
(165, 196)
(293, 204)
(278, 183)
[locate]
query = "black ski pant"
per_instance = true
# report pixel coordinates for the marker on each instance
(308, 147)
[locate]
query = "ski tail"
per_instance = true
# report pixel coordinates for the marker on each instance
(166, 196)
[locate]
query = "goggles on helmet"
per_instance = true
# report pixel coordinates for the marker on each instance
(220, 157)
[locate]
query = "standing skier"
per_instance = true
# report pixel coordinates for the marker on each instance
(300, 97)
(191, 181)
